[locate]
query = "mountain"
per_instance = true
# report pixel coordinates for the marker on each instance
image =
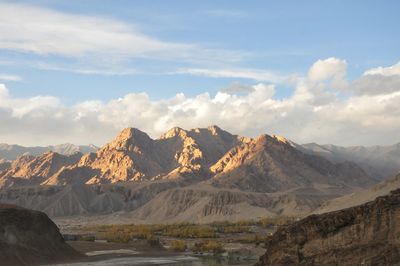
(134, 156)
(378, 161)
(263, 164)
(30, 170)
(364, 235)
(269, 164)
(205, 173)
(12, 152)
(4, 165)
(361, 196)
(31, 238)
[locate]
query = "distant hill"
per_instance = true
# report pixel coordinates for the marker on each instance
(12, 152)
(361, 196)
(378, 161)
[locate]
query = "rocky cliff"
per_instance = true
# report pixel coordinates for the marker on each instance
(30, 238)
(368, 234)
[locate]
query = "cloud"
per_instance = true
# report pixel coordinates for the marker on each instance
(7, 77)
(93, 40)
(333, 69)
(89, 71)
(252, 74)
(380, 80)
(237, 88)
(313, 113)
(385, 71)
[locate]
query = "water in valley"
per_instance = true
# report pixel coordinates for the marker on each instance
(168, 260)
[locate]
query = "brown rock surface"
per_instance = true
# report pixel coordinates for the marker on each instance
(32, 170)
(30, 238)
(134, 156)
(368, 234)
(269, 164)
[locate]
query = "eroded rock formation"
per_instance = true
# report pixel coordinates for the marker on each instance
(368, 234)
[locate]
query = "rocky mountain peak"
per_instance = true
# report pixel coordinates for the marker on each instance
(174, 132)
(129, 139)
(215, 130)
(282, 139)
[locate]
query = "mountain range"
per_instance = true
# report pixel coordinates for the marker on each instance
(197, 175)
(12, 152)
(380, 162)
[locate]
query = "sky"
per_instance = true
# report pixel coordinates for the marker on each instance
(312, 71)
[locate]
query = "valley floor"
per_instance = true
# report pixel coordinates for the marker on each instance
(219, 243)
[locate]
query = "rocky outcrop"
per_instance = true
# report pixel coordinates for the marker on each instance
(30, 238)
(368, 234)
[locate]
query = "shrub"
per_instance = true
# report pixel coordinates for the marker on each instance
(189, 231)
(117, 237)
(208, 246)
(87, 238)
(256, 239)
(178, 245)
(153, 241)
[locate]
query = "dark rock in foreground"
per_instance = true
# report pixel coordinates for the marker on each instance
(29, 238)
(368, 234)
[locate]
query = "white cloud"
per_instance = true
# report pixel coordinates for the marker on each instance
(380, 80)
(7, 77)
(253, 74)
(238, 88)
(333, 69)
(93, 40)
(312, 113)
(385, 71)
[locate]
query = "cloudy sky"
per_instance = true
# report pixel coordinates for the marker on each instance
(315, 71)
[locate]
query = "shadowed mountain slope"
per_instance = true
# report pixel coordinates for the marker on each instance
(380, 162)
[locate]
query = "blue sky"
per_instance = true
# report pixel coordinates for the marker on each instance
(284, 37)
(313, 71)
